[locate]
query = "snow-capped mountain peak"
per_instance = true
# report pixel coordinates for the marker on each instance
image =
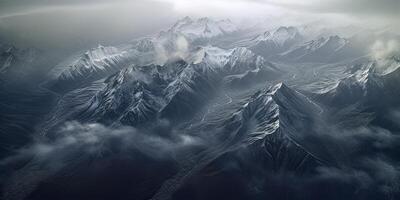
(242, 60)
(240, 54)
(335, 42)
(203, 27)
(100, 53)
(271, 43)
(323, 49)
(280, 35)
(88, 66)
(210, 54)
(145, 45)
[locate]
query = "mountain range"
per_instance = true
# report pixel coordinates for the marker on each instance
(183, 115)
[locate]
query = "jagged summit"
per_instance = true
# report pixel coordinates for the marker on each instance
(335, 42)
(278, 115)
(242, 60)
(271, 43)
(368, 82)
(283, 34)
(145, 45)
(89, 66)
(323, 49)
(95, 59)
(280, 35)
(202, 28)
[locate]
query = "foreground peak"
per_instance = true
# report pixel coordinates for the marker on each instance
(276, 88)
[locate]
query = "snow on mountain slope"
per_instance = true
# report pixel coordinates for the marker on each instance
(139, 94)
(176, 43)
(95, 60)
(92, 65)
(134, 95)
(145, 45)
(211, 54)
(277, 107)
(173, 90)
(191, 90)
(241, 60)
(368, 82)
(269, 44)
(324, 49)
(387, 65)
(243, 67)
(267, 132)
(202, 28)
(235, 63)
(277, 122)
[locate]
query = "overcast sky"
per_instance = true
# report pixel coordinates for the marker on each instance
(76, 23)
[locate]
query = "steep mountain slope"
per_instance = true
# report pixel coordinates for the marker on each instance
(202, 28)
(138, 95)
(244, 68)
(270, 44)
(89, 66)
(175, 90)
(176, 43)
(366, 95)
(271, 131)
(324, 49)
(368, 81)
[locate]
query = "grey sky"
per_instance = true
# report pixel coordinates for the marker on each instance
(68, 24)
(76, 23)
(378, 8)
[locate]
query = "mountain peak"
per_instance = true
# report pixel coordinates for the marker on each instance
(281, 36)
(183, 21)
(278, 88)
(202, 27)
(186, 18)
(242, 55)
(287, 29)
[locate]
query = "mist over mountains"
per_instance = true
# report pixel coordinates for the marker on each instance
(205, 109)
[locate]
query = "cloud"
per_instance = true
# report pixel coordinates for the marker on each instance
(394, 116)
(178, 47)
(355, 7)
(365, 161)
(77, 145)
(374, 174)
(95, 139)
(368, 13)
(374, 137)
(385, 48)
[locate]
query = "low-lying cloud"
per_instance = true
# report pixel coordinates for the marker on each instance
(76, 145)
(383, 49)
(96, 139)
